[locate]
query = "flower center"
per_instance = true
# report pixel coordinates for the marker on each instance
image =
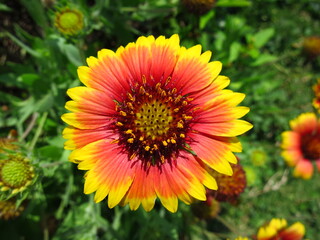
(69, 20)
(311, 146)
(15, 173)
(153, 122)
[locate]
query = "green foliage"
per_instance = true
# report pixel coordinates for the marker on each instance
(259, 45)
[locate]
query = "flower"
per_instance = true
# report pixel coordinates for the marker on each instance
(316, 100)
(301, 146)
(9, 210)
(230, 187)
(206, 210)
(16, 173)
(277, 229)
(69, 21)
(8, 143)
(151, 120)
(198, 6)
(311, 46)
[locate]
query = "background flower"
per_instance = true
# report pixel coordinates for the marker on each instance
(301, 146)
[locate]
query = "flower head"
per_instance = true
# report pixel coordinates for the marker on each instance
(311, 46)
(230, 187)
(316, 100)
(151, 121)
(16, 173)
(9, 210)
(198, 6)
(301, 146)
(277, 229)
(69, 21)
(208, 209)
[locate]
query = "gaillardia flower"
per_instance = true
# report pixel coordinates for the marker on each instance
(69, 21)
(230, 187)
(311, 46)
(277, 229)
(151, 120)
(16, 173)
(9, 210)
(316, 100)
(206, 210)
(198, 6)
(301, 146)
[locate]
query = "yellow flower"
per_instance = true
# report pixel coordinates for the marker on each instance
(69, 21)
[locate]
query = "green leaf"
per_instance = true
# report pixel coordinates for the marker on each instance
(28, 78)
(71, 52)
(262, 37)
(234, 51)
(233, 3)
(45, 103)
(205, 19)
(5, 8)
(264, 58)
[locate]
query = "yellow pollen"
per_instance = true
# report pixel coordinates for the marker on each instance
(130, 97)
(129, 104)
(130, 140)
(141, 138)
(176, 110)
(173, 141)
(173, 91)
(180, 124)
(129, 131)
(123, 113)
(119, 124)
(164, 143)
(155, 147)
(184, 103)
(182, 135)
(162, 159)
(142, 91)
(178, 99)
(147, 148)
(187, 117)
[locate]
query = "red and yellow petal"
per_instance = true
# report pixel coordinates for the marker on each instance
(305, 123)
(219, 116)
(193, 72)
(216, 154)
(110, 173)
(90, 100)
(290, 140)
(292, 156)
(295, 232)
(303, 169)
(83, 120)
(106, 73)
(78, 138)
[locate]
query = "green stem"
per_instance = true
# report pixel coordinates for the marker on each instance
(38, 131)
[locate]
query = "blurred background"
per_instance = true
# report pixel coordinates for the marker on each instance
(270, 50)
